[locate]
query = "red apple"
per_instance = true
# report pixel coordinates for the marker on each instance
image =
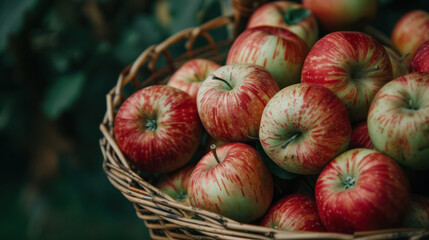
(340, 15)
(353, 65)
(176, 184)
(288, 15)
(232, 181)
(191, 75)
(398, 120)
(399, 68)
(278, 50)
(158, 128)
(296, 212)
(360, 137)
(362, 190)
(418, 214)
(231, 100)
(411, 31)
(303, 127)
(420, 61)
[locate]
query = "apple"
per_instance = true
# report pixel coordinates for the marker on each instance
(233, 181)
(303, 127)
(362, 190)
(278, 50)
(420, 61)
(411, 31)
(288, 15)
(231, 101)
(296, 212)
(398, 120)
(340, 15)
(190, 75)
(158, 128)
(175, 184)
(418, 214)
(353, 65)
(360, 137)
(399, 68)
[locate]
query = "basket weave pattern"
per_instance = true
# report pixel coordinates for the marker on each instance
(165, 217)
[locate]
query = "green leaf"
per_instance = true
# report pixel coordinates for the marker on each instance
(11, 17)
(272, 166)
(62, 94)
(296, 15)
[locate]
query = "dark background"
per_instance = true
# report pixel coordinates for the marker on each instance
(58, 59)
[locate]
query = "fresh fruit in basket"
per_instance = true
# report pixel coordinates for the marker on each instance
(411, 31)
(398, 120)
(296, 212)
(231, 100)
(158, 128)
(362, 190)
(288, 15)
(340, 15)
(303, 127)
(353, 65)
(233, 181)
(176, 183)
(420, 61)
(191, 75)
(278, 50)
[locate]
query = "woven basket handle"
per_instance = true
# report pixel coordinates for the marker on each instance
(242, 11)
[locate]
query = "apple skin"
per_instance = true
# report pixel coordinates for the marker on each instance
(296, 212)
(360, 137)
(278, 50)
(340, 15)
(362, 190)
(319, 120)
(411, 31)
(399, 68)
(418, 214)
(339, 61)
(398, 120)
(240, 187)
(275, 14)
(235, 114)
(158, 128)
(175, 184)
(420, 61)
(190, 75)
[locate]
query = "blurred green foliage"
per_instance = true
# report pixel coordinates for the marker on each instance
(58, 59)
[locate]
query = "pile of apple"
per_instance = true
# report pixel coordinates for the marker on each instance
(342, 107)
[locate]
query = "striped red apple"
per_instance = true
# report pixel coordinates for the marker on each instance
(191, 75)
(295, 212)
(353, 65)
(362, 190)
(231, 101)
(233, 181)
(278, 50)
(360, 137)
(420, 61)
(158, 128)
(398, 120)
(288, 15)
(175, 184)
(303, 127)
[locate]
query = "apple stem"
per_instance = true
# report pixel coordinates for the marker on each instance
(349, 182)
(151, 125)
(290, 140)
(213, 148)
(403, 57)
(198, 77)
(223, 80)
(363, 73)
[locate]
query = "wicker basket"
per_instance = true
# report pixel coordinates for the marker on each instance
(165, 217)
